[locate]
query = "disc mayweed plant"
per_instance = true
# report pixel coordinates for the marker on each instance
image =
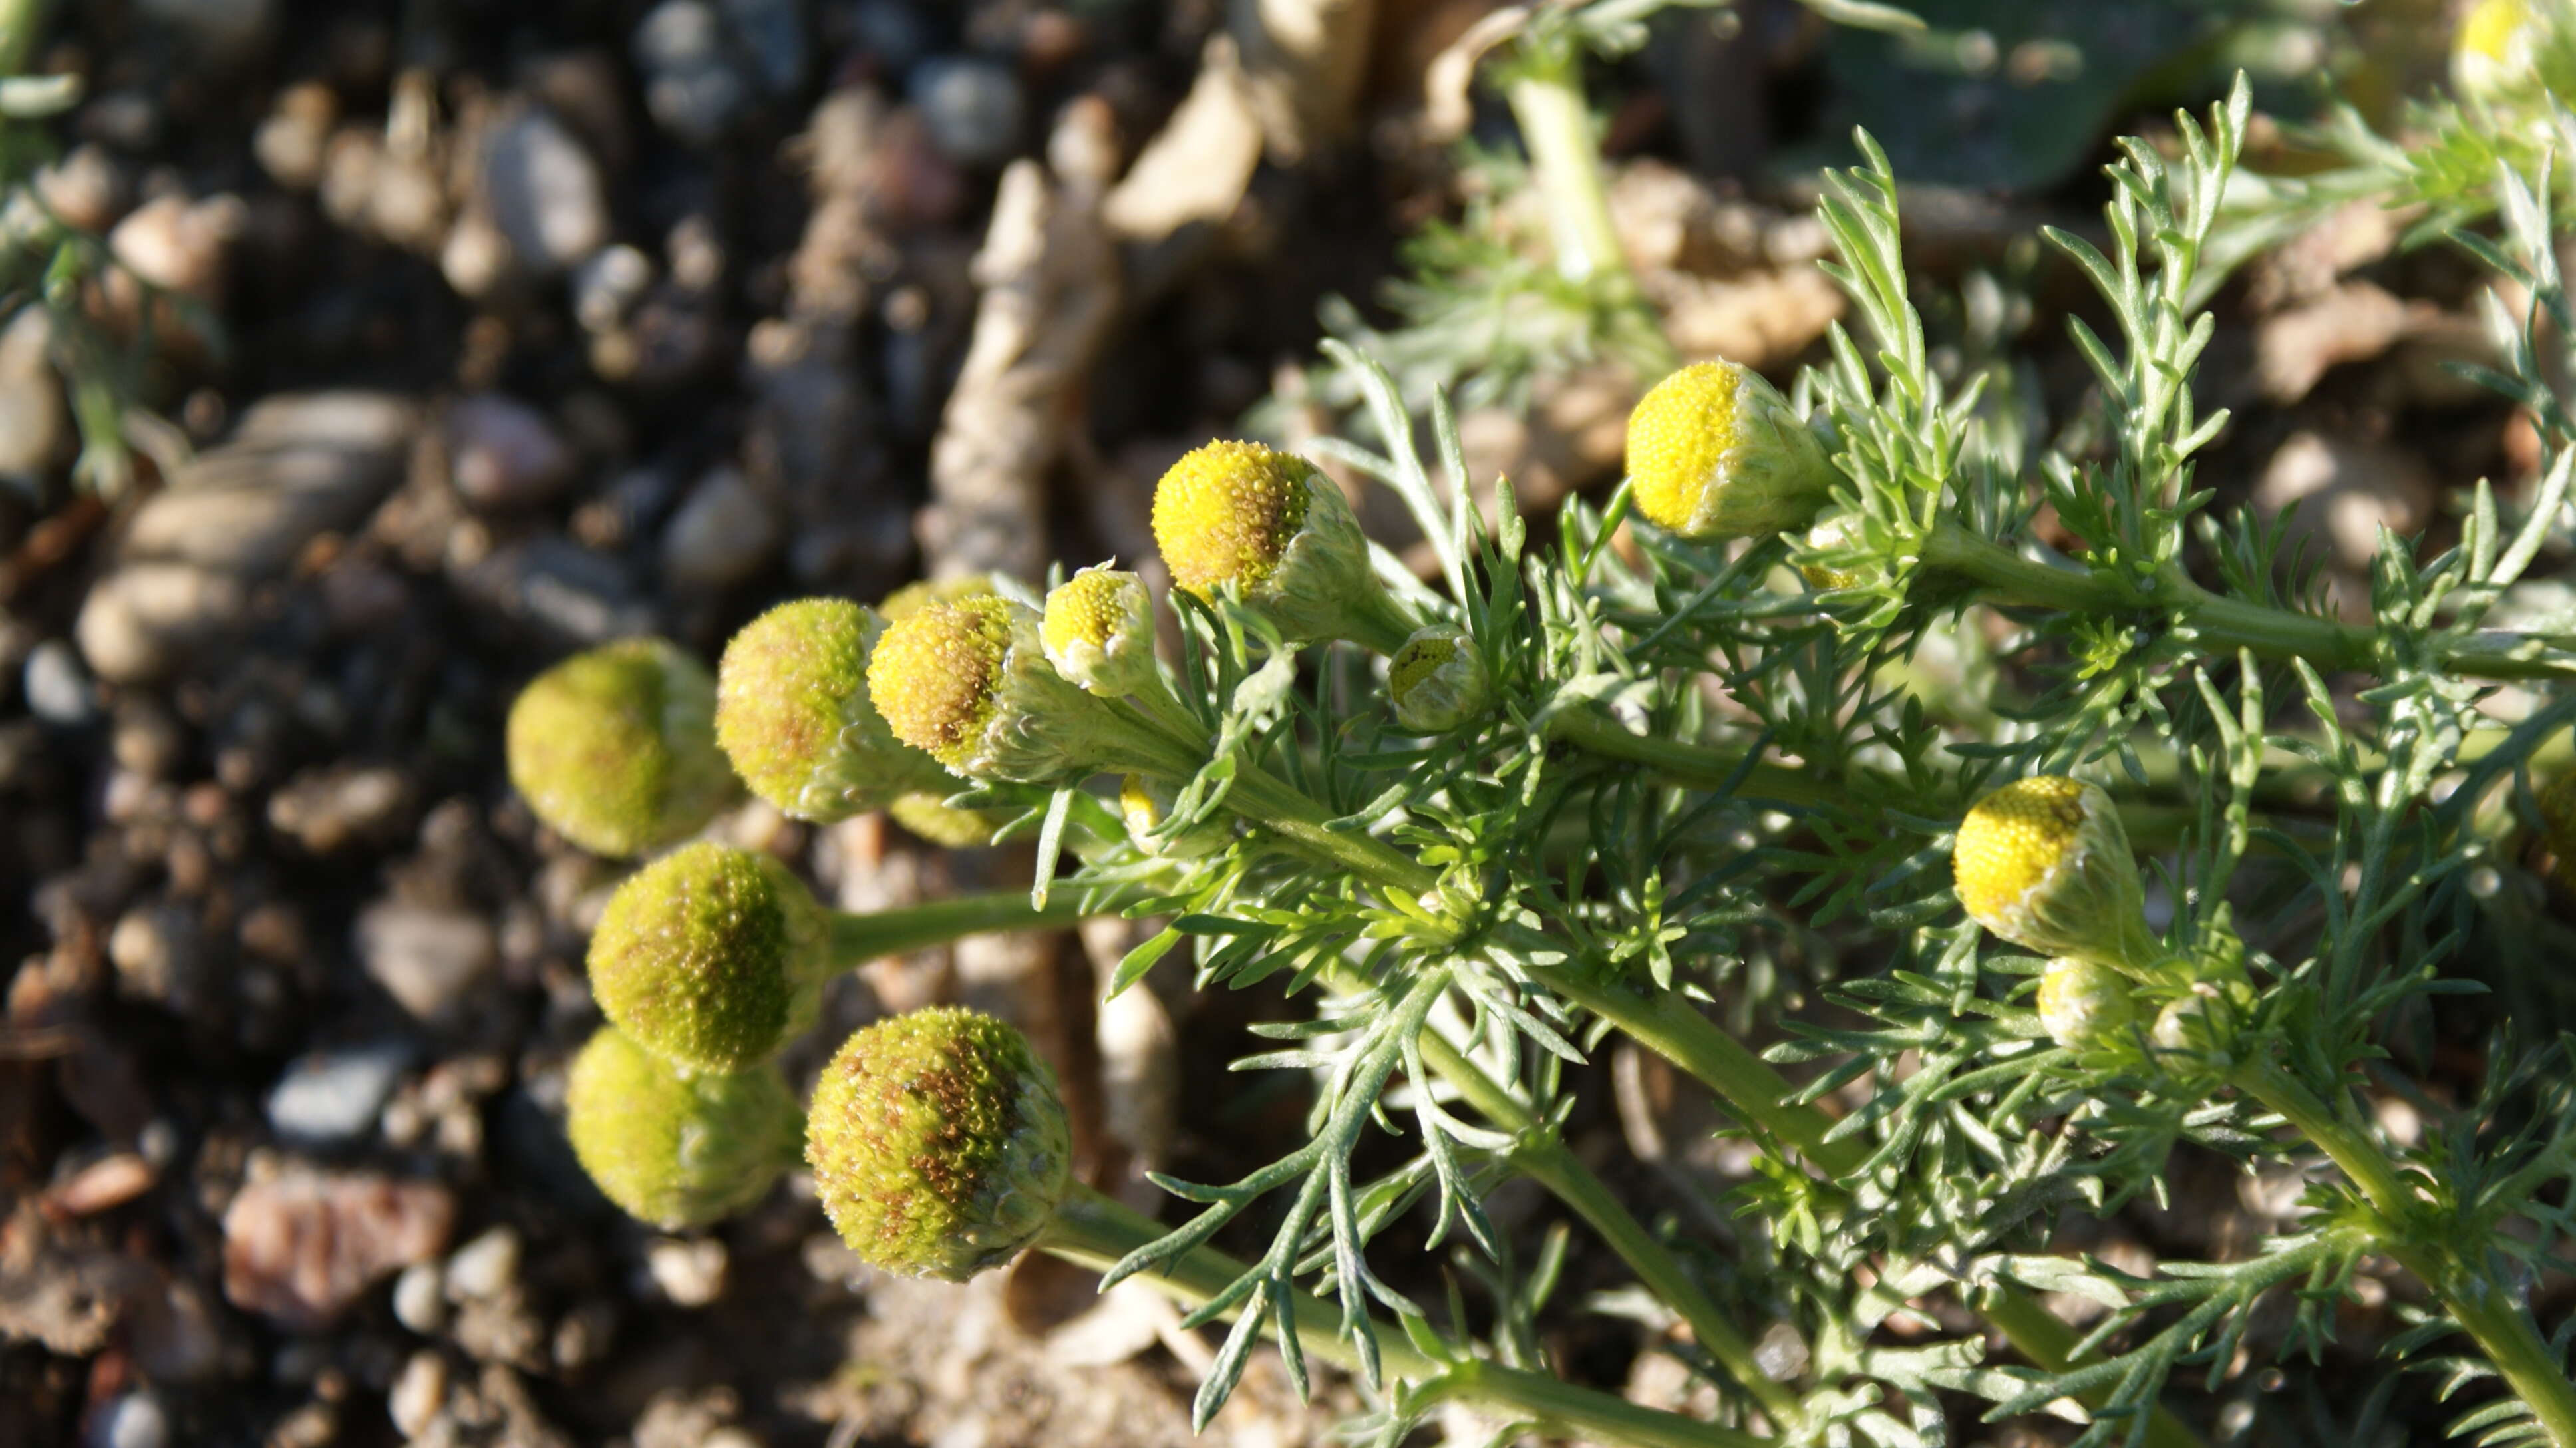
(2196, 867)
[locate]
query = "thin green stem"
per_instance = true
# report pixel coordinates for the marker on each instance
(2501, 1325)
(1545, 92)
(1545, 1159)
(1092, 1231)
(858, 937)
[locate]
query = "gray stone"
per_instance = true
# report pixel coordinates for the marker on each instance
(299, 1247)
(544, 192)
(971, 108)
(502, 453)
(158, 953)
(144, 619)
(298, 466)
(690, 1273)
(722, 535)
(426, 958)
(328, 807)
(331, 1097)
(135, 1420)
(691, 85)
(485, 1267)
(569, 596)
(35, 427)
(58, 689)
(418, 1394)
(420, 1298)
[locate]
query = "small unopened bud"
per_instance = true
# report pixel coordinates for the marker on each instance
(1099, 632)
(1716, 452)
(1271, 528)
(2084, 1006)
(1145, 805)
(1833, 534)
(2044, 863)
(615, 747)
(711, 957)
(969, 684)
(938, 1143)
(677, 1150)
(2202, 1024)
(2505, 52)
(793, 714)
(1438, 681)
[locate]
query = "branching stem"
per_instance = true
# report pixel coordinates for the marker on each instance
(1092, 1231)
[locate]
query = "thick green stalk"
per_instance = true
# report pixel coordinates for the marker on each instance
(1095, 1232)
(1548, 1161)
(870, 936)
(2223, 623)
(2502, 1328)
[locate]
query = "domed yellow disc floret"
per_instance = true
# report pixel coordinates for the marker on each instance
(939, 1144)
(1099, 632)
(1715, 452)
(614, 748)
(2044, 863)
(710, 957)
(935, 674)
(793, 714)
(676, 1150)
(1225, 512)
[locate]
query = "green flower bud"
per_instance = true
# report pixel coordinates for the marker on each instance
(792, 712)
(1273, 529)
(1716, 452)
(938, 1143)
(1438, 681)
(711, 957)
(2202, 1024)
(1099, 632)
(969, 684)
(614, 748)
(2044, 863)
(1144, 805)
(934, 819)
(677, 1150)
(2083, 1006)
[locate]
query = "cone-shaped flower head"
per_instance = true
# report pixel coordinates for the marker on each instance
(1145, 804)
(792, 712)
(938, 1143)
(677, 1150)
(2084, 1006)
(1099, 632)
(2044, 863)
(1716, 452)
(1271, 527)
(969, 683)
(1438, 681)
(711, 957)
(615, 747)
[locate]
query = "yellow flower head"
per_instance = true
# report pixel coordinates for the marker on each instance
(711, 958)
(615, 749)
(673, 1150)
(937, 673)
(913, 597)
(1099, 632)
(1715, 452)
(2044, 863)
(792, 712)
(939, 1144)
(1224, 514)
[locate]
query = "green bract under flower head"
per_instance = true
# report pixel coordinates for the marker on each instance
(1144, 805)
(2082, 1005)
(792, 712)
(1715, 452)
(1273, 529)
(930, 815)
(1438, 681)
(2044, 863)
(615, 748)
(938, 1143)
(1099, 632)
(677, 1150)
(969, 683)
(710, 957)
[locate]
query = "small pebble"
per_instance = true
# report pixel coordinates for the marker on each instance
(506, 454)
(331, 1098)
(58, 689)
(722, 535)
(426, 958)
(690, 1273)
(301, 1246)
(972, 109)
(418, 1393)
(545, 193)
(135, 1420)
(484, 1267)
(691, 85)
(420, 1298)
